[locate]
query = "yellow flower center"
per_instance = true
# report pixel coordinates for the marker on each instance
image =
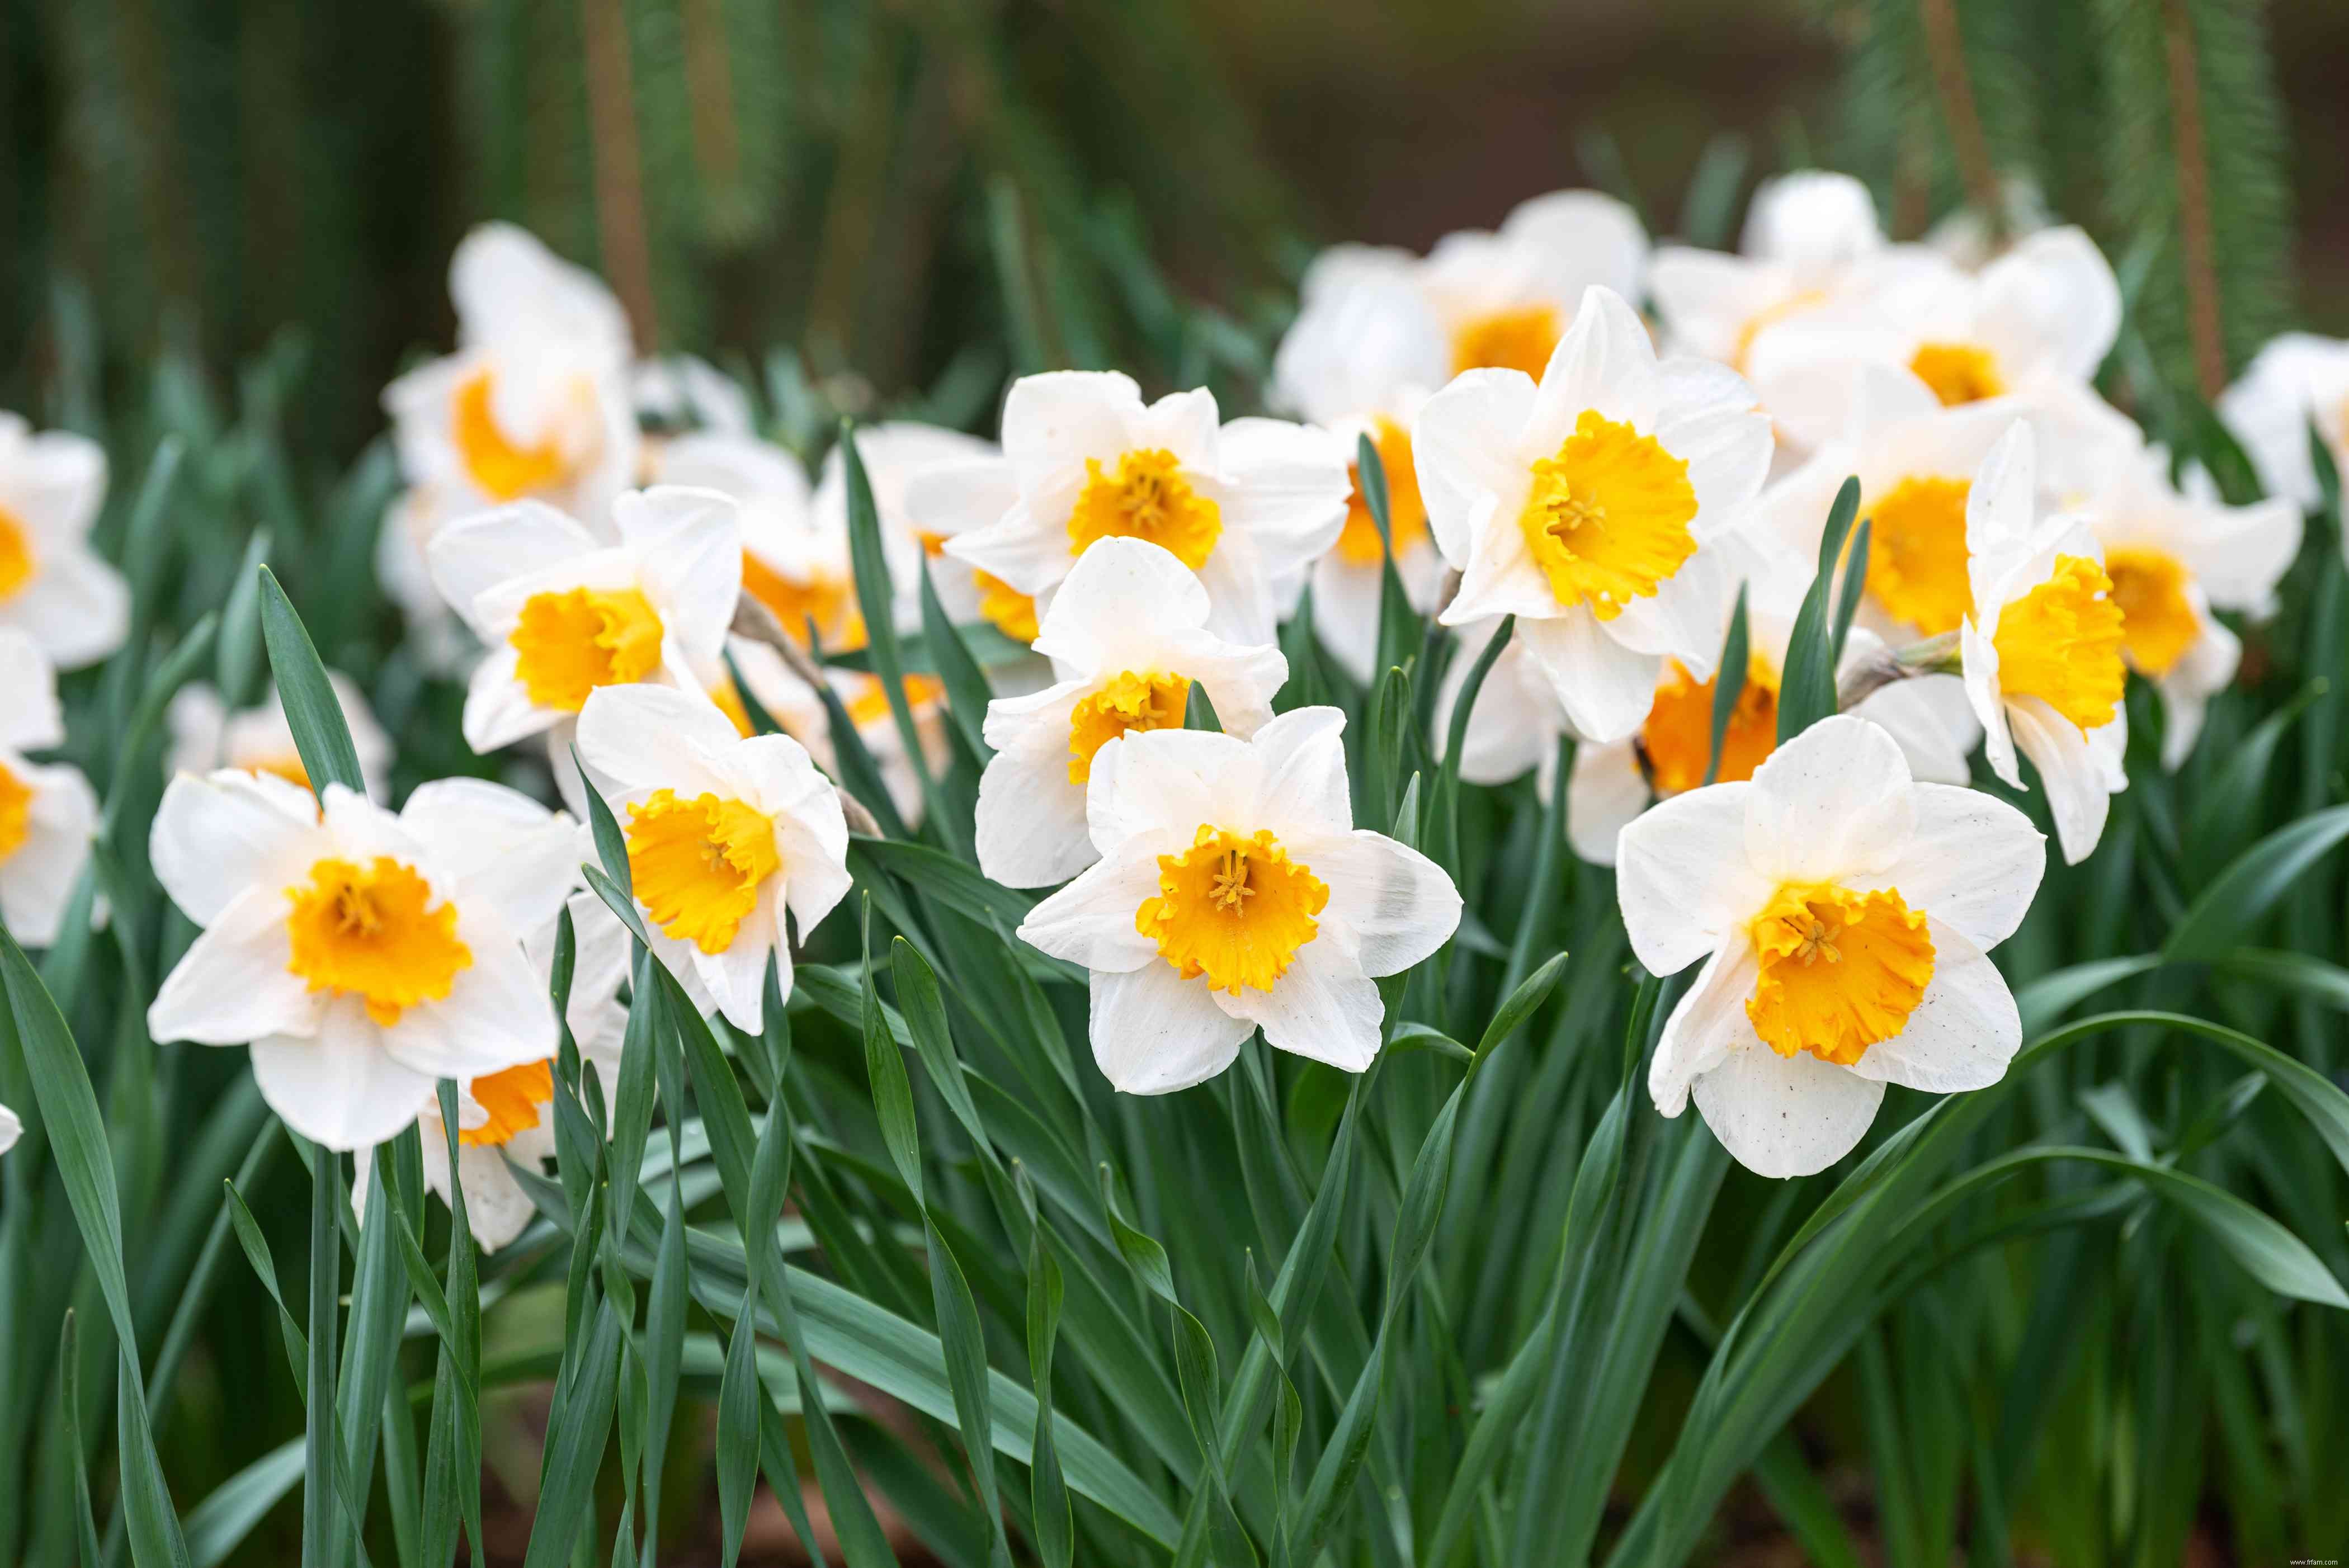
(288, 767)
(16, 555)
(571, 643)
(1359, 545)
(1146, 498)
(1608, 517)
(503, 471)
(1517, 339)
(2062, 643)
(2158, 623)
(1234, 909)
(1126, 702)
(15, 812)
(1768, 316)
(1012, 612)
(367, 931)
(1677, 739)
(1957, 372)
(1839, 970)
(1917, 553)
(829, 602)
(512, 1098)
(697, 864)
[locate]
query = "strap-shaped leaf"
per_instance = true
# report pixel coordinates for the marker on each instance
(321, 735)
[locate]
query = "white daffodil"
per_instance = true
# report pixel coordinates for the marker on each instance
(205, 735)
(1233, 893)
(507, 1114)
(1503, 299)
(1811, 240)
(2173, 556)
(2032, 325)
(562, 612)
(535, 405)
(1248, 505)
(2298, 382)
(2042, 645)
(1585, 506)
(1612, 784)
(362, 953)
(1843, 911)
(47, 810)
(724, 836)
(1362, 354)
(682, 392)
(1126, 635)
(53, 587)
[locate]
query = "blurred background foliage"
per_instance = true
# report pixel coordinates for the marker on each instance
(887, 186)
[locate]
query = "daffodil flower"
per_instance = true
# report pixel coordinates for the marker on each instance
(1127, 638)
(205, 735)
(363, 954)
(2040, 317)
(1233, 893)
(1612, 784)
(53, 587)
(1842, 912)
(724, 836)
(563, 614)
(508, 1115)
(2298, 382)
(2042, 646)
(1502, 299)
(47, 810)
(1248, 505)
(2173, 556)
(1584, 505)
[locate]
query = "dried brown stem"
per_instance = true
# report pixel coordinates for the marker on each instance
(1946, 45)
(618, 164)
(2204, 327)
(755, 621)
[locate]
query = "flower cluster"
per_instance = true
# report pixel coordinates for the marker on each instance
(1607, 453)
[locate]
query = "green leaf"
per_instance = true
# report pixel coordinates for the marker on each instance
(2242, 894)
(239, 652)
(875, 599)
(321, 735)
(1806, 692)
(968, 692)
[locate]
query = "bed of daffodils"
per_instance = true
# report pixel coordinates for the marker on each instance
(1130, 991)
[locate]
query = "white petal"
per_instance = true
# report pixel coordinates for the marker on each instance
(1303, 792)
(497, 1209)
(1708, 1025)
(472, 555)
(496, 1016)
(1974, 862)
(234, 984)
(10, 1129)
(1604, 362)
(31, 719)
(737, 977)
(38, 879)
(1395, 905)
(1964, 1031)
(1930, 719)
(1465, 447)
(689, 547)
(1166, 781)
(1030, 827)
(1683, 878)
(1346, 602)
(218, 836)
(2069, 770)
(339, 1088)
(497, 846)
(498, 708)
(1063, 414)
(1499, 575)
(1832, 804)
(1325, 1008)
(2058, 282)
(1606, 793)
(1090, 921)
(2205, 669)
(1154, 1032)
(76, 606)
(1605, 687)
(1118, 588)
(1786, 1116)
(642, 736)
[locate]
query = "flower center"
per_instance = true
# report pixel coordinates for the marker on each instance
(1677, 739)
(571, 643)
(367, 931)
(1839, 970)
(1768, 316)
(1957, 372)
(512, 1098)
(1517, 339)
(1608, 517)
(1126, 702)
(830, 602)
(1917, 553)
(2157, 623)
(503, 471)
(1234, 909)
(1146, 498)
(2062, 643)
(697, 864)
(16, 555)
(15, 812)
(1012, 611)
(1360, 545)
